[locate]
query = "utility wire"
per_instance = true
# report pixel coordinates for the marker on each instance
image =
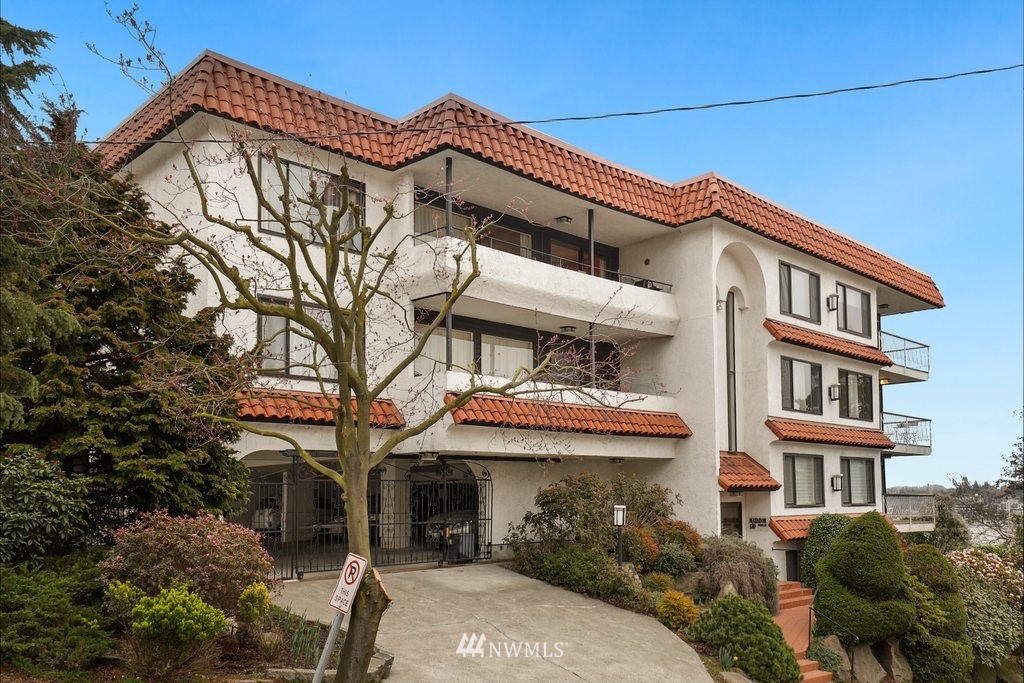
(613, 115)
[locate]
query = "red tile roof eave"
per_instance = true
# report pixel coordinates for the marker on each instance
(842, 435)
(784, 332)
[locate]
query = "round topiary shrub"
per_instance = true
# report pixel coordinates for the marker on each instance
(172, 633)
(680, 533)
(676, 610)
(938, 660)
(846, 614)
(746, 629)
(674, 560)
(866, 558)
(215, 559)
(824, 530)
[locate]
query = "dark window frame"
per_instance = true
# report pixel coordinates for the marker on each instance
(787, 391)
(286, 373)
(844, 398)
(789, 480)
(263, 224)
(842, 323)
(844, 468)
(786, 293)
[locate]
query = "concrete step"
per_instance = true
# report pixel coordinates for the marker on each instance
(807, 665)
(790, 603)
(818, 677)
(789, 584)
(790, 594)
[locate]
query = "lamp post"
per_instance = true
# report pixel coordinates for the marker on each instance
(619, 519)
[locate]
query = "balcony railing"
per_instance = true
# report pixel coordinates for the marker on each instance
(558, 261)
(911, 511)
(906, 430)
(907, 353)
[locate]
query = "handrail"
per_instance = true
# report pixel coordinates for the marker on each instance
(906, 353)
(559, 262)
(907, 430)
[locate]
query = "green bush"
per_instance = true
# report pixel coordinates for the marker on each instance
(119, 599)
(993, 627)
(731, 559)
(590, 572)
(866, 558)
(676, 610)
(172, 632)
(928, 565)
(828, 660)
(938, 660)
(216, 559)
(843, 612)
(680, 533)
(253, 607)
(824, 530)
(950, 531)
(50, 618)
(42, 509)
(657, 582)
(674, 560)
(639, 548)
(746, 629)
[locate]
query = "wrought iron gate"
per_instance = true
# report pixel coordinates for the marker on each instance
(419, 513)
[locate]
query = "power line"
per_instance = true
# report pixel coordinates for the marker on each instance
(612, 115)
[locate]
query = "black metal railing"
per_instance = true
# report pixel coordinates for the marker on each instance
(910, 508)
(557, 261)
(906, 353)
(907, 430)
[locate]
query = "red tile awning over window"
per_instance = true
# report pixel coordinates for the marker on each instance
(799, 336)
(797, 527)
(837, 435)
(309, 408)
(487, 410)
(739, 472)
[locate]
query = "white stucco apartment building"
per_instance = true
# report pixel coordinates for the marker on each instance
(743, 348)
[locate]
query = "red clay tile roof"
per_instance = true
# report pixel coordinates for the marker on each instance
(797, 527)
(309, 408)
(791, 334)
(520, 413)
(739, 472)
(818, 432)
(227, 88)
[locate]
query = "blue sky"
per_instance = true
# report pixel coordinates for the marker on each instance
(931, 174)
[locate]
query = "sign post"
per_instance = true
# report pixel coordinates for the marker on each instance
(344, 595)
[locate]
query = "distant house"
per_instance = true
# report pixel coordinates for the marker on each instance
(743, 341)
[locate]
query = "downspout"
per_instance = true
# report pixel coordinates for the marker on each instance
(593, 271)
(448, 233)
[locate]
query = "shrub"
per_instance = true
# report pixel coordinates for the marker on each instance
(680, 533)
(950, 532)
(674, 560)
(215, 559)
(253, 607)
(119, 599)
(866, 558)
(828, 660)
(844, 612)
(938, 660)
(824, 530)
(746, 629)
(657, 582)
(590, 572)
(676, 610)
(998, 572)
(50, 618)
(993, 627)
(42, 509)
(927, 564)
(639, 548)
(731, 559)
(172, 633)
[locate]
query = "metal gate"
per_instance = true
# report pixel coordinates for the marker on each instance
(436, 512)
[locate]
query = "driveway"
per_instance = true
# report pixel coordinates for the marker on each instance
(534, 631)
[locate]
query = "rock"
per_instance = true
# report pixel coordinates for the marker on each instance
(1010, 672)
(727, 589)
(734, 676)
(892, 660)
(845, 668)
(983, 674)
(865, 667)
(695, 583)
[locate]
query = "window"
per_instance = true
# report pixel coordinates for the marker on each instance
(799, 293)
(855, 394)
(434, 352)
(429, 220)
(287, 349)
(858, 481)
(803, 480)
(801, 386)
(476, 351)
(508, 240)
(306, 187)
(501, 357)
(854, 311)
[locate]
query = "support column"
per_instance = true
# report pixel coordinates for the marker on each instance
(448, 166)
(593, 272)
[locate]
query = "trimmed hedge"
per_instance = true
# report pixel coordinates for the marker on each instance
(824, 530)
(866, 558)
(747, 630)
(870, 620)
(930, 567)
(938, 660)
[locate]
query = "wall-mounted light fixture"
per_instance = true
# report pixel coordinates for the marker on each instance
(834, 391)
(564, 220)
(428, 457)
(616, 461)
(567, 329)
(832, 302)
(837, 482)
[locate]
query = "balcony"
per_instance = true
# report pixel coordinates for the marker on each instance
(912, 435)
(911, 360)
(911, 511)
(520, 286)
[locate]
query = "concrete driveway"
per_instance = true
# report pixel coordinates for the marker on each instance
(533, 631)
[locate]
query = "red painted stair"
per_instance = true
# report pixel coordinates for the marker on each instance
(794, 618)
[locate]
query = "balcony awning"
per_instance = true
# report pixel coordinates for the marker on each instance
(797, 527)
(305, 407)
(799, 336)
(820, 432)
(488, 410)
(738, 471)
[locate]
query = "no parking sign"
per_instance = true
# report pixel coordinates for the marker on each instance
(348, 583)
